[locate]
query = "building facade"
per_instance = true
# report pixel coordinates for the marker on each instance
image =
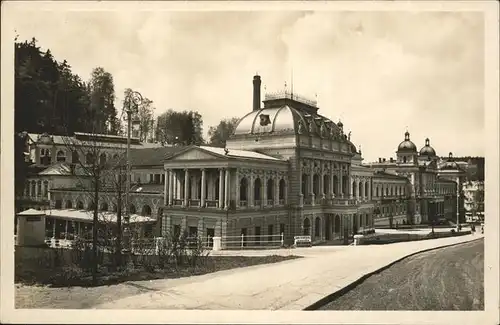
(286, 171)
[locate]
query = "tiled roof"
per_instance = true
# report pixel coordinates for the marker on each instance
(152, 156)
(239, 153)
(101, 141)
(62, 169)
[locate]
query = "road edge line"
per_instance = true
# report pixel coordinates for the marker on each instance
(342, 291)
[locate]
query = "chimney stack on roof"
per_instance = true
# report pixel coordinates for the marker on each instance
(256, 92)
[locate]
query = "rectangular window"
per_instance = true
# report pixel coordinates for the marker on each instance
(282, 228)
(244, 236)
(158, 178)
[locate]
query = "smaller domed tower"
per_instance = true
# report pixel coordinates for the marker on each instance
(407, 151)
(427, 152)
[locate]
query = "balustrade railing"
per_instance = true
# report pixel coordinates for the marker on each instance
(194, 203)
(243, 203)
(270, 202)
(281, 201)
(177, 202)
(257, 203)
(212, 203)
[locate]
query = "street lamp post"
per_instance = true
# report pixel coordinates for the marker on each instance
(132, 103)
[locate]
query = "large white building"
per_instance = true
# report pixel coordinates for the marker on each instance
(287, 170)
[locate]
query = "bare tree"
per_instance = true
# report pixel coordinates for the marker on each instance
(99, 173)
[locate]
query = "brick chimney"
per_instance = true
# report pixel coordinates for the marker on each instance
(256, 92)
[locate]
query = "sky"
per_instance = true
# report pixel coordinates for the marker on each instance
(381, 73)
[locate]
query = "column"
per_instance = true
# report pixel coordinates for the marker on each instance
(237, 182)
(186, 187)
(332, 190)
(341, 181)
(166, 191)
(351, 180)
(370, 189)
(226, 190)
(251, 179)
(321, 182)
(277, 190)
(311, 185)
(171, 185)
(357, 189)
(264, 190)
(54, 228)
(66, 229)
(203, 182)
(221, 180)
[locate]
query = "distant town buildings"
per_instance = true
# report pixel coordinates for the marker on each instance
(287, 170)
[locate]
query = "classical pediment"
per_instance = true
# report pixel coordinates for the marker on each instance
(194, 153)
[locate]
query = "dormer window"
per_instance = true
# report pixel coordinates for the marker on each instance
(45, 158)
(61, 156)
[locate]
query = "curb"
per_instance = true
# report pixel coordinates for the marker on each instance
(331, 297)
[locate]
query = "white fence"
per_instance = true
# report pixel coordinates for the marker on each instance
(253, 241)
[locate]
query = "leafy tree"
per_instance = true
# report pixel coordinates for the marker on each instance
(180, 128)
(102, 98)
(217, 135)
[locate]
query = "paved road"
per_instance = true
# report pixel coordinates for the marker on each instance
(450, 278)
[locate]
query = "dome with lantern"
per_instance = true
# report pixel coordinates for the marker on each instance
(407, 145)
(427, 150)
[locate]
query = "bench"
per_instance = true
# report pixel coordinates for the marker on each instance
(302, 241)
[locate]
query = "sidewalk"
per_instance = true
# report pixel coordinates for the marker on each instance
(291, 285)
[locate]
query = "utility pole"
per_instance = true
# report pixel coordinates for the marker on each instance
(132, 103)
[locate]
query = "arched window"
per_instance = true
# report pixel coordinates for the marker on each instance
(306, 227)
(257, 189)
(104, 206)
(360, 188)
(367, 188)
(69, 204)
(354, 189)
(282, 186)
(335, 185)
(79, 205)
(404, 159)
(243, 189)
(304, 185)
(326, 184)
(132, 209)
(376, 191)
(317, 227)
(270, 189)
(61, 156)
(102, 158)
(316, 184)
(146, 210)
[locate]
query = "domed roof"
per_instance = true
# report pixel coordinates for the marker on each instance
(283, 120)
(407, 145)
(427, 150)
(451, 164)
